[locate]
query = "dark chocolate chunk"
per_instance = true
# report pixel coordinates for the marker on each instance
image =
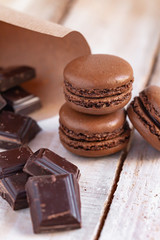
(54, 202)
(12, 76)
(44, 162)
(12, 161)
(21, 101)
(2, 102)
(12, 189)
(16, 129)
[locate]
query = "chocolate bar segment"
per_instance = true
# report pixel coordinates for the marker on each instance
(44, 162)
(16, 129)
(2, 102)
(13, 76)
(12, 189)
(54, 202)
(20, 101)
(12, 161)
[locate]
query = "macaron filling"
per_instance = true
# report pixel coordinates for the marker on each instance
(154, 114)
(96, 102)
(97, 93)
(93, 136)
(146, 117)
(95, 145)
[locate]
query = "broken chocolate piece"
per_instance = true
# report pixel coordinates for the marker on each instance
(16, 129)
(12, 161)
(12, 189)
(44, 162)
(21, 101)
(12, 76)
(54, 202)
(2, 102)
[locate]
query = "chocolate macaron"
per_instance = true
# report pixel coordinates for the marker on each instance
(93, 136)
(98, 84)
(144, 113)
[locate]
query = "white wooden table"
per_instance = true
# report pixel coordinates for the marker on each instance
(120, 193)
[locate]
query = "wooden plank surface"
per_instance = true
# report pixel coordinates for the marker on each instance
(155, 77)
(128, 28)
(134, 213)
(135, 209)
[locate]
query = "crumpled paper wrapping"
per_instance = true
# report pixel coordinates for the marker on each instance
(44, 45)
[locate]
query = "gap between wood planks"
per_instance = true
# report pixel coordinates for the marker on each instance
(124, 154)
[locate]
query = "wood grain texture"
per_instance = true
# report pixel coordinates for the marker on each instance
(155, 77)
(135, 209)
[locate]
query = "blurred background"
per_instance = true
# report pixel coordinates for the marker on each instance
(103, 22)
(127, 28)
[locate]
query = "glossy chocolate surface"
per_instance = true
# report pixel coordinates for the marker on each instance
(12, 161)
(98, 71)
(12, 76)
(81, 123)
(16, 129)
(44, 162)
(12, 189)
(54, 202)
(21, 101)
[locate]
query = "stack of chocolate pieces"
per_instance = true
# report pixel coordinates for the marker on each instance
(93, 121)
(16, 129)
(46, 182)
(18, 100)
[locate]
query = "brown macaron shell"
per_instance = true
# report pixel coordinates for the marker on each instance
(143, 122)
(93, 136)
(90, 79)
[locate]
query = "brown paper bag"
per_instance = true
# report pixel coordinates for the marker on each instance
(44, 45)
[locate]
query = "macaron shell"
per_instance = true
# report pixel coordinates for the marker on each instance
(144, 125)
(120, 143)
(89, 124)
(150, 98)
(107, 105)
(98, 71)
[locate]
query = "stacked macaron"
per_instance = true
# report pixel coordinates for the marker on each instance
(93, 121)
